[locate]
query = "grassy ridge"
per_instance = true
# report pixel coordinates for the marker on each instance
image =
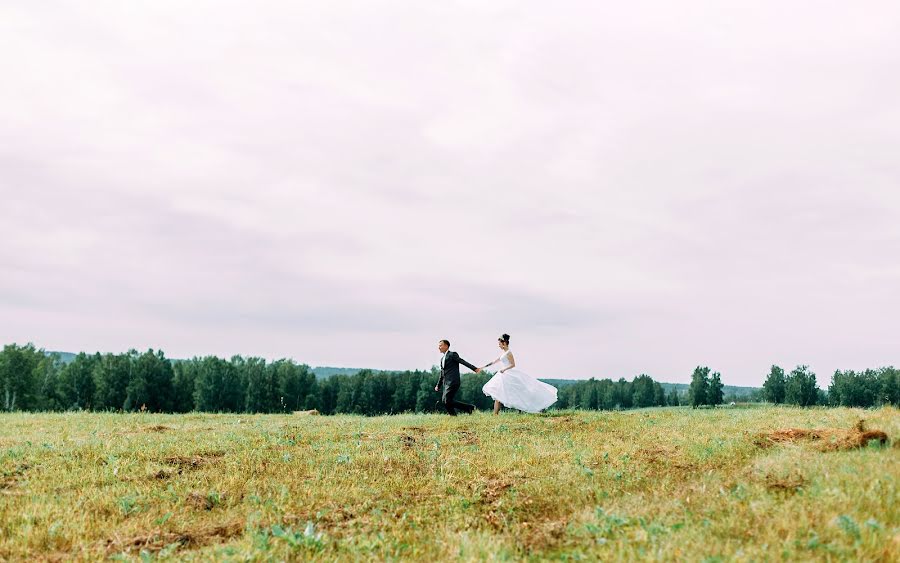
(654, 484)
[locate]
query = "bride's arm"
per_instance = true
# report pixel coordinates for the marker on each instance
(512, 363)
(492, 363)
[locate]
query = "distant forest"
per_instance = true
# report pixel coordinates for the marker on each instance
(32, 379)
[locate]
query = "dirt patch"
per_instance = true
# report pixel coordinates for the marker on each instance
(826, 439)
(408, 442)
(468, 438)
(155, 429)
(491, 492)
(9, 479)
(412, 438)
(661, 455)
(567, 421)
(196, 461)
(191, 538)
(204, 502)
(538, 536)
(182, 464)
(185, 462)
(494, 489)
(785, 483)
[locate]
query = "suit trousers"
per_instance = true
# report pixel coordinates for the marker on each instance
(450, 402)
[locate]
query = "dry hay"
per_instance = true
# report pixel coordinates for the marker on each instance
(664, 457)
(155, 429)
(9, 479)
(193, 537)
(828, 439)
(490, 492)
(468, 438)
(790, 483)
(408, 442)
(203, 502)
(539, 535)
(188, 463)
(490, 498)
(414, 438)
(310, 412)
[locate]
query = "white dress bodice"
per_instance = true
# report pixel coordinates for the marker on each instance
(504, 359)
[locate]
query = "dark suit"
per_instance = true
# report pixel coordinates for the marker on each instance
(450, 380)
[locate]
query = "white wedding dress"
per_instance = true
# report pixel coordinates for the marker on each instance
(519, 390)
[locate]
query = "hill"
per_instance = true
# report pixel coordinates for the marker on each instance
(323, 372)
(66, 357)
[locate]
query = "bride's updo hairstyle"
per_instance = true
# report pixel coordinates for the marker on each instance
(504, 338)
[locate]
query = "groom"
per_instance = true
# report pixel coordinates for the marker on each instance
(450, 378)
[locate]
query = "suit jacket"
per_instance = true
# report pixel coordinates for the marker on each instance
(450, 371)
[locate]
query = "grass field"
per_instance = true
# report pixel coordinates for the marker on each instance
(656, 484)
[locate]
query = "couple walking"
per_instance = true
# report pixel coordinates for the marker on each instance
(509, 386)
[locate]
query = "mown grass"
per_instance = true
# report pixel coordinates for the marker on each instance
(658, 484)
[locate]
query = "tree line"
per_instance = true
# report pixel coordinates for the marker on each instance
(605, 394)
(848, 388)
(32, 380)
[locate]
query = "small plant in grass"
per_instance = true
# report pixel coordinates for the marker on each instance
(307, 539)
(128, 505)
(849, 525)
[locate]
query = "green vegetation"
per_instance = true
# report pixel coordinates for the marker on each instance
(660, 484)
(33, 380)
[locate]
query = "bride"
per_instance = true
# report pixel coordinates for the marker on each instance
(515, 388)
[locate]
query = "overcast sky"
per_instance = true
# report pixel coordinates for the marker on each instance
(625, 188)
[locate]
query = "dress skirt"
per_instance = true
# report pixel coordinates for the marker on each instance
(519, 390)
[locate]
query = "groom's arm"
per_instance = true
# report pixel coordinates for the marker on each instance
(467, 364)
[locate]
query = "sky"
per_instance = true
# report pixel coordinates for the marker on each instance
(624, 188)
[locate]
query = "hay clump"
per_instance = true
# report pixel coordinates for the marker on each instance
(826, 439)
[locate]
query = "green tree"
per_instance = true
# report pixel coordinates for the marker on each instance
(259, 391)
(149, 382)
(47, 376)
(673, 398)
(111, 376)
(184, 381)
(642, 392)
(773, 388)
(76, 382)
(622, 393)
(659, 395)
(219, 386)
(19, 383)
(889, 386)
(800, 387)
(293, 383)
(714, 393)
(426, 397)
(698, 392)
